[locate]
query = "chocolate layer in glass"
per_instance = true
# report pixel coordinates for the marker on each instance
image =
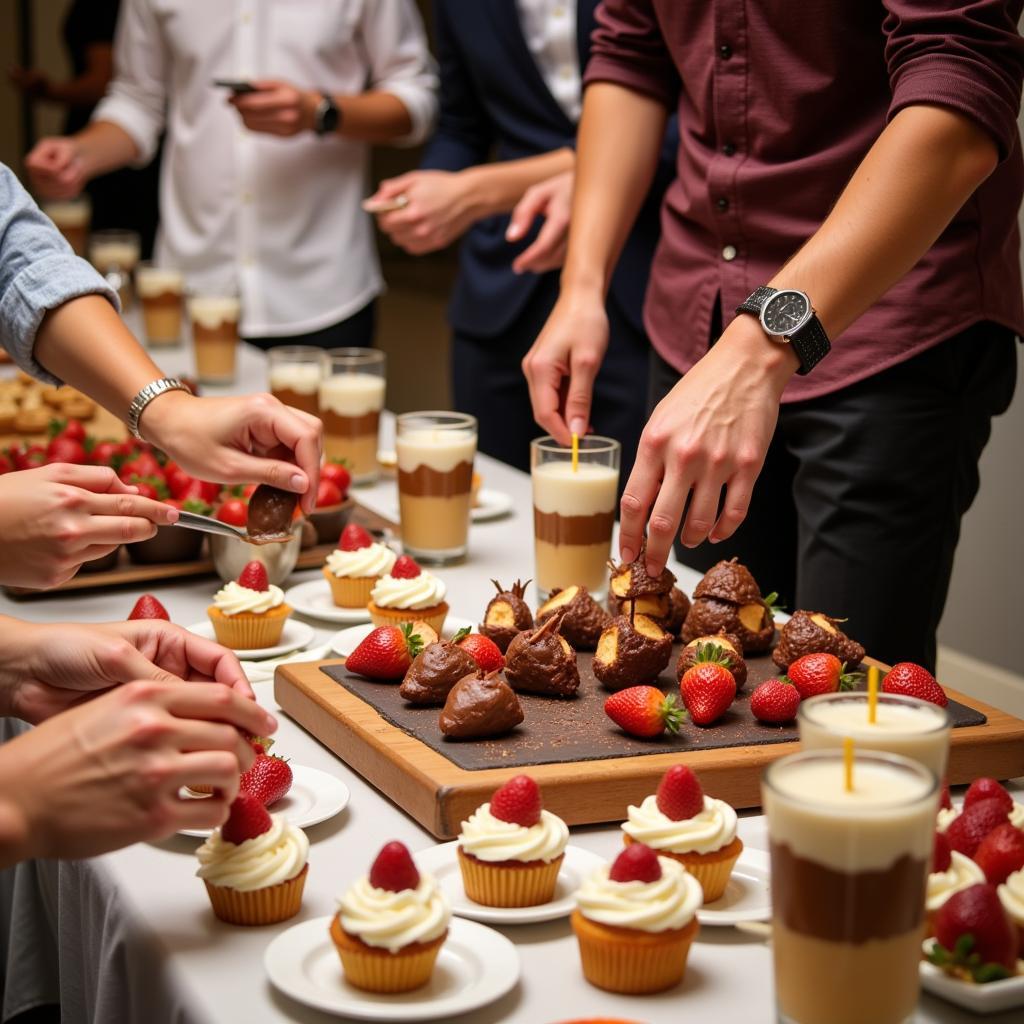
(350, 405)
(215, 336)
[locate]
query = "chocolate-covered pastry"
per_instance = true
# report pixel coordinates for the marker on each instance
(728, 598)
(678, 606)
(732, 651)
(506, 615)
(729, 581)
(654, 606)
(480, 705)
(631, 653)
(583, 619)
(632, 580)
(434, 671)
(541, 661)
(270, 513)
(815, 633)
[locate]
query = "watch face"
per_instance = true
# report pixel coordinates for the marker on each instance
(786, 312)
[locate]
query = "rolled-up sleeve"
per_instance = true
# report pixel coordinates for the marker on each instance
(967, 56)
(38, 272)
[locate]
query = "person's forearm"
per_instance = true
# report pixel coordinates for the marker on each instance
(12, 636)
(15, 845)
(373, 117)
(104, 146)
(616, 156)
(496, 188)
(84, 91)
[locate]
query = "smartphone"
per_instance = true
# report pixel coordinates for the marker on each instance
(237, 86)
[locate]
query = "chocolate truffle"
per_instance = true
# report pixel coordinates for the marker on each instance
(434, 671)
(731, 649)
(583, 619)
(480, 705)
(729, 599)
(815, 633)
(541, 661)
(270, 513)
(506, 615)
(631, 653)
(633, 581)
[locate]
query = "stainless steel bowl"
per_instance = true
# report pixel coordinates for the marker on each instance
(231, 554)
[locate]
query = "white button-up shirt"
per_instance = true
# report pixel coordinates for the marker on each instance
(549, 27)
(277, 218)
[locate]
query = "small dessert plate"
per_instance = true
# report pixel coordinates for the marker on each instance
(315, 796)
(748, 895)
(294, 637)
(992, 997)
(313, 598)
(475, 967)
(491, 504)
(443, 863)
(346, 641)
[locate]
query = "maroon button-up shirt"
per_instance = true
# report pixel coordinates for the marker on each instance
(778, 103)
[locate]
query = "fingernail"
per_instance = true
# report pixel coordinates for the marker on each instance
(628, 554)
(171, 514)
(271, 722)
(578, 425)
(298, 482)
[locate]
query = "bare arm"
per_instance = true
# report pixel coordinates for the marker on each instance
(60, 167)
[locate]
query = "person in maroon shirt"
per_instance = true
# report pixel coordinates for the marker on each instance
(867, 156)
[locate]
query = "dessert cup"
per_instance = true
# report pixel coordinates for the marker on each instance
(249, 630)
(509, 883)
(433, 616)
(272, 905)
(350, 591)
(375, 969)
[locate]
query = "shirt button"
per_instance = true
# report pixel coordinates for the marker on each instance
(729, 253)
(725, 51)
(728, 149)
(722, 204)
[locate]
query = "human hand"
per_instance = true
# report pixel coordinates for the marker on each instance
(552, 200)
(29, 81)
(56, 169)
(107, 773)
(439, 207)
(239, 440)
(711, 431)
(564, 360)
(277, 108)
(54, 518)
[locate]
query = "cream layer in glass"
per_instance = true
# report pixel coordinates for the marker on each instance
(297, 385)
(350, 406)
(72, 218)
(215, 336)
(160, 291)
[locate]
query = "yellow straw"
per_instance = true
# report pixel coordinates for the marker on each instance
(872, 694)
(575, 452)
(848, 764)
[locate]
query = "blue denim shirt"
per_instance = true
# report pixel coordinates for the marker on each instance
(38, 272)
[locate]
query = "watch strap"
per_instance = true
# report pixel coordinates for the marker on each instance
(152, 390)
(328, 115)
(756, 300)
(810, 342)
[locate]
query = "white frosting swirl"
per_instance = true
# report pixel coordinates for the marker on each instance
(423, 591)
(707, 831)
(1011, 895)
(374, 560)
(232, 599)
(669, 903)
(961, 874)
(394, 920)
(265, 860)
(491, 839)
(947, 815)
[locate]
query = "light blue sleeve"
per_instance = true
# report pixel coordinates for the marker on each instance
(38, 272)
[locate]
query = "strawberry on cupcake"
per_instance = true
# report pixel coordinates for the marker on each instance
(951, 873)
(354, 567)
(408, 593)
(249, 613)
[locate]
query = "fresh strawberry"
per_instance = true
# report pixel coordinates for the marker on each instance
(636, 863)
(354, 538)
(66, 450)
(104, 453)
(269, 778)
(260, 744)
(977, 939)
(973, 823)
(394, 870)
(327, 493)
(775, 701)
(29, 457)
(679, 794)
(247, 819)
(708, 689)
(386, 653)
(945, 801)
(405, 568)
(644, 711)
(913, 681)
(987, 789)
(942, 855)
(518, 801)
(1001, 853)
(203, 490)
(254, 577)
(338, 475)
(234, 512)
(820, 673)
(482, 649)
(6, 465)
(148, 607)
(144, 464)
(72, 429)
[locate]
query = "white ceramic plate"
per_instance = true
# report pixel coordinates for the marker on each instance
(442, 862)
(491, 504)
(475, 967)
(315, 796)
(748, 895)
(346, 641)
(313, 598)
(294, 637)
(993, 997)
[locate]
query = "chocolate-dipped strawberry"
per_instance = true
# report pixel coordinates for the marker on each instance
(434, 671)
(631, 652)
(479, 705)
(721, 647)
(270, 513)
(506, 615)
(631, 580)
(815, 633)
(728, 598)
(583, 619)
(541, 661)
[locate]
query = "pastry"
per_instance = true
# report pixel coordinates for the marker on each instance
(815, 633)
(541, 661)
(632, 582)
(78, 408)
(271, 513)
(249, 614)
(32, 420)
(434, 671)
(8, 414)
(635, 922)
(631, 653)
(583, 620)
(390, 925)
(355, 565)
(731, 648)
(254, 866)
(408, 593)
(507, 614)
(680, 822)
(510, 849)
(728, 598)
(479, 705)
(667, 610)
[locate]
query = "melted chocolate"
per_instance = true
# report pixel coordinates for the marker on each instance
(628, 657)
(478, 706)
(802, 635)
(425, 482)
(270, 513)
(540, 661)
(583, 619)
(554, 528)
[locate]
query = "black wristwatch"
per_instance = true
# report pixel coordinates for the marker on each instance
(787, 316)
(327, 116)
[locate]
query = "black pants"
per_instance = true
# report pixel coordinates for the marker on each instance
(857, 510)
(488, 383)
(355, 331)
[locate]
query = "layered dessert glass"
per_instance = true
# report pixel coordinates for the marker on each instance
(115, 254)
(72, 218)
(351, 398)
(294, 374)
(161, 294)
(214, 317)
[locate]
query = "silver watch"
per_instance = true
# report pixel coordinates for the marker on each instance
(146, 395)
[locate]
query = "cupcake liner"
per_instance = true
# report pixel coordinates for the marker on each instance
(433, 617)
(258, 906)
(712, 870)
(379, 970)
(509, 883)
(247, 630)
(350, 591)
(203, 788)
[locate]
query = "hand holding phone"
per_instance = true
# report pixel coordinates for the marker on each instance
(237, 85)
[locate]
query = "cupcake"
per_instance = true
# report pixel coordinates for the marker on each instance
(390, 925)
(354, 567)
(983, 788)
(251, 613)
(1011, 895)
(680, 822)
(635, 922)
(951, 872)
(408, 594)
(510, 850)
(254, 865)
